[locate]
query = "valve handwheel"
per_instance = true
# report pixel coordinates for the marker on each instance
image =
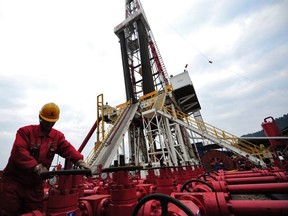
(122, 168)
(206, 174)
(195, 180)
(164, 200)
(51, 174)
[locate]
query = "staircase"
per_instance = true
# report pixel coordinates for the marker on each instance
(224, 139)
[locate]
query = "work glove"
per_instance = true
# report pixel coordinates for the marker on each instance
(40, 169)
(82, 164)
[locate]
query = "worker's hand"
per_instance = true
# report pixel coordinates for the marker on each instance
(40, 169)
(82, 164)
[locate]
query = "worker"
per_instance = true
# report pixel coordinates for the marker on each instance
(21, 186)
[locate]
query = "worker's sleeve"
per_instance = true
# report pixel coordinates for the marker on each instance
(20, 154)
(66, 149)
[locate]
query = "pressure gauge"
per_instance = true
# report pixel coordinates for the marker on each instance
(52, 181)
(104, 175)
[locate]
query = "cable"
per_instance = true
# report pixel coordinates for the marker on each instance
(217, 64)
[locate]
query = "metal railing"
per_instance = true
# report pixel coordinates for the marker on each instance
(242, 145)
(100, 143)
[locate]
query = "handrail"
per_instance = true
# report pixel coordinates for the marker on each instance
(243, 145)
(99, 145)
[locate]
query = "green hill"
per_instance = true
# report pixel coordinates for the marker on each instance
(282, 123)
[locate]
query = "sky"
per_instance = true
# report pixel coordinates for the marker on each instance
(66, 52)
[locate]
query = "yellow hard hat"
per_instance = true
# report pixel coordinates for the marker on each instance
(50, 112)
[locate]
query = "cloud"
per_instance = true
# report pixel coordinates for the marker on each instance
(249, 69)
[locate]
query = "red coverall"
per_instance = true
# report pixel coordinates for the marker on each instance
(21, 189)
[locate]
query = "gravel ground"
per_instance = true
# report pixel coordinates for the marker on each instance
(249, 197)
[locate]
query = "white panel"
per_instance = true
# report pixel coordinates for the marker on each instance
(180, 80)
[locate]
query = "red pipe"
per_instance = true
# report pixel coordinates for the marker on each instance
(230, 173)
(244, 174)
(261, 179)
(258, 188)
(250, 175)
(220, 204)
(88, 136)
(221, 186)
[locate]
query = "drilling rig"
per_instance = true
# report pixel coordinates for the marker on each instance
(160, 123)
